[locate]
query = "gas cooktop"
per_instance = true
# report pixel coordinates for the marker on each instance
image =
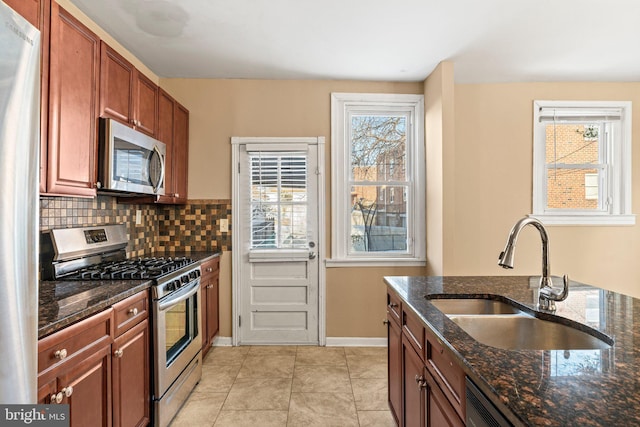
(135, 268)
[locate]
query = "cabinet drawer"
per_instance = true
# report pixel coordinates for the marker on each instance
(75, 340)
(447, 373)
(130, 312)
(394, 307)
(414, 330)
(210, 268)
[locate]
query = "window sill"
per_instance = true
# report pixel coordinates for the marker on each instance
(586, 219)
(375, 262)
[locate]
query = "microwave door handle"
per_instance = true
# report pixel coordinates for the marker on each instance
(156, 184)
(181, 295)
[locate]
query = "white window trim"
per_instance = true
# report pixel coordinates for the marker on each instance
(620, 213)
(340, 206)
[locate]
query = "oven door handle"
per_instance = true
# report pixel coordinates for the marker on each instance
(180, 295)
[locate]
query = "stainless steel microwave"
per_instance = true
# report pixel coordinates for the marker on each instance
(129, 161)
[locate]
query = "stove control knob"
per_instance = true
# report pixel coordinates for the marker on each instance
(185, 278)
(176, 284)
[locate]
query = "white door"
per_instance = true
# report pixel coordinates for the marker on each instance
(276, 247)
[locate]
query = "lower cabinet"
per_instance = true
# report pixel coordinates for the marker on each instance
(103, 377)
(416, 398)
(209, 285)
(394, 366)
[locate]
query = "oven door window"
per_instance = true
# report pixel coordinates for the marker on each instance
(181, 327)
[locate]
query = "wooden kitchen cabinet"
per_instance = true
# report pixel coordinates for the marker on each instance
(394, 366)
(131, 363)
(431, 383)
(412, 386)
(31, 10)
(209, 283)
(74, 367)
(173, 130)
(126, 94)
(74, 73)
(101, 367)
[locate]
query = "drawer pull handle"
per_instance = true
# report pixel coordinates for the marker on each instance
(133, 311)
(421, 382)
(118, 353)
(60, 354)
(386, 322)
(57, 398)
(392, 305)
(67, 391)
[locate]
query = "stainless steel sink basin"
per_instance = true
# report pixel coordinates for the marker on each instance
(473, 306)
(525, 332)
(502, 325)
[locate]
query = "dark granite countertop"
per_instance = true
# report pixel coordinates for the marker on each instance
(62, 303)
(552, 387)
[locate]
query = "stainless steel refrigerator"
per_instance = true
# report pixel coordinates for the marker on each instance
(19, 209)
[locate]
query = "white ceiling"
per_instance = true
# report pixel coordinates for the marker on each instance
(389, 40)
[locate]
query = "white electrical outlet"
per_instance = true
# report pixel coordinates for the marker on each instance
(224, 225)
(138, 217)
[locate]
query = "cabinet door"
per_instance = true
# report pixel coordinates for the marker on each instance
(145, 101)
(131, 392)
(439, 411)
(29, 9)
(180, 153)
(116, 85)
(87, 387)
(166, 111)
(413, 389)
(394, 366)
(73, 106)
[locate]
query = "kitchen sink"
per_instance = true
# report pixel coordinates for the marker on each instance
(525, 332)
(500, 324)
(473, 306)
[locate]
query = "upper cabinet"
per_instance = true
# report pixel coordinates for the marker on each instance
(31, 10)
(173, 130)
(74, 71)
(126, 94)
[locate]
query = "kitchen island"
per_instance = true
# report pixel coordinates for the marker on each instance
(535, 387)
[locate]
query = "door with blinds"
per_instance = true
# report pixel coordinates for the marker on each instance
(277, 273)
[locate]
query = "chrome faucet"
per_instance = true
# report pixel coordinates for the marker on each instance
(547, 295)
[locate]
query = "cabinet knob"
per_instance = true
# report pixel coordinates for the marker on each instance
(209, 269)
(392, 305)
(386, 322)
(118, 353)
(60, 354)
(97, 185)
(176, 195)
(67, 391)
(133, 311)
(57, 398)
(53, 398)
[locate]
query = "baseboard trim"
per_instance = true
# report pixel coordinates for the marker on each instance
(219, 341)
(331, 342)
(355, 342)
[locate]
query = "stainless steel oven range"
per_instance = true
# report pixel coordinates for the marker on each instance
(98, 253)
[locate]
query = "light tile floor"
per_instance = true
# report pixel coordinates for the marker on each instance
(290, 386)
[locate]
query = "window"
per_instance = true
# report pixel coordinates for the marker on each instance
(378, 199)
(582, 162)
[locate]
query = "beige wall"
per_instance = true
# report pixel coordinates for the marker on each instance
(440, 166)
(493, 188)
(220, 109)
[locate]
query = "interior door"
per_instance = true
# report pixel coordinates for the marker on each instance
(278, 246)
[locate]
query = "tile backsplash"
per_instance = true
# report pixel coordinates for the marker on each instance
(163, 229)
